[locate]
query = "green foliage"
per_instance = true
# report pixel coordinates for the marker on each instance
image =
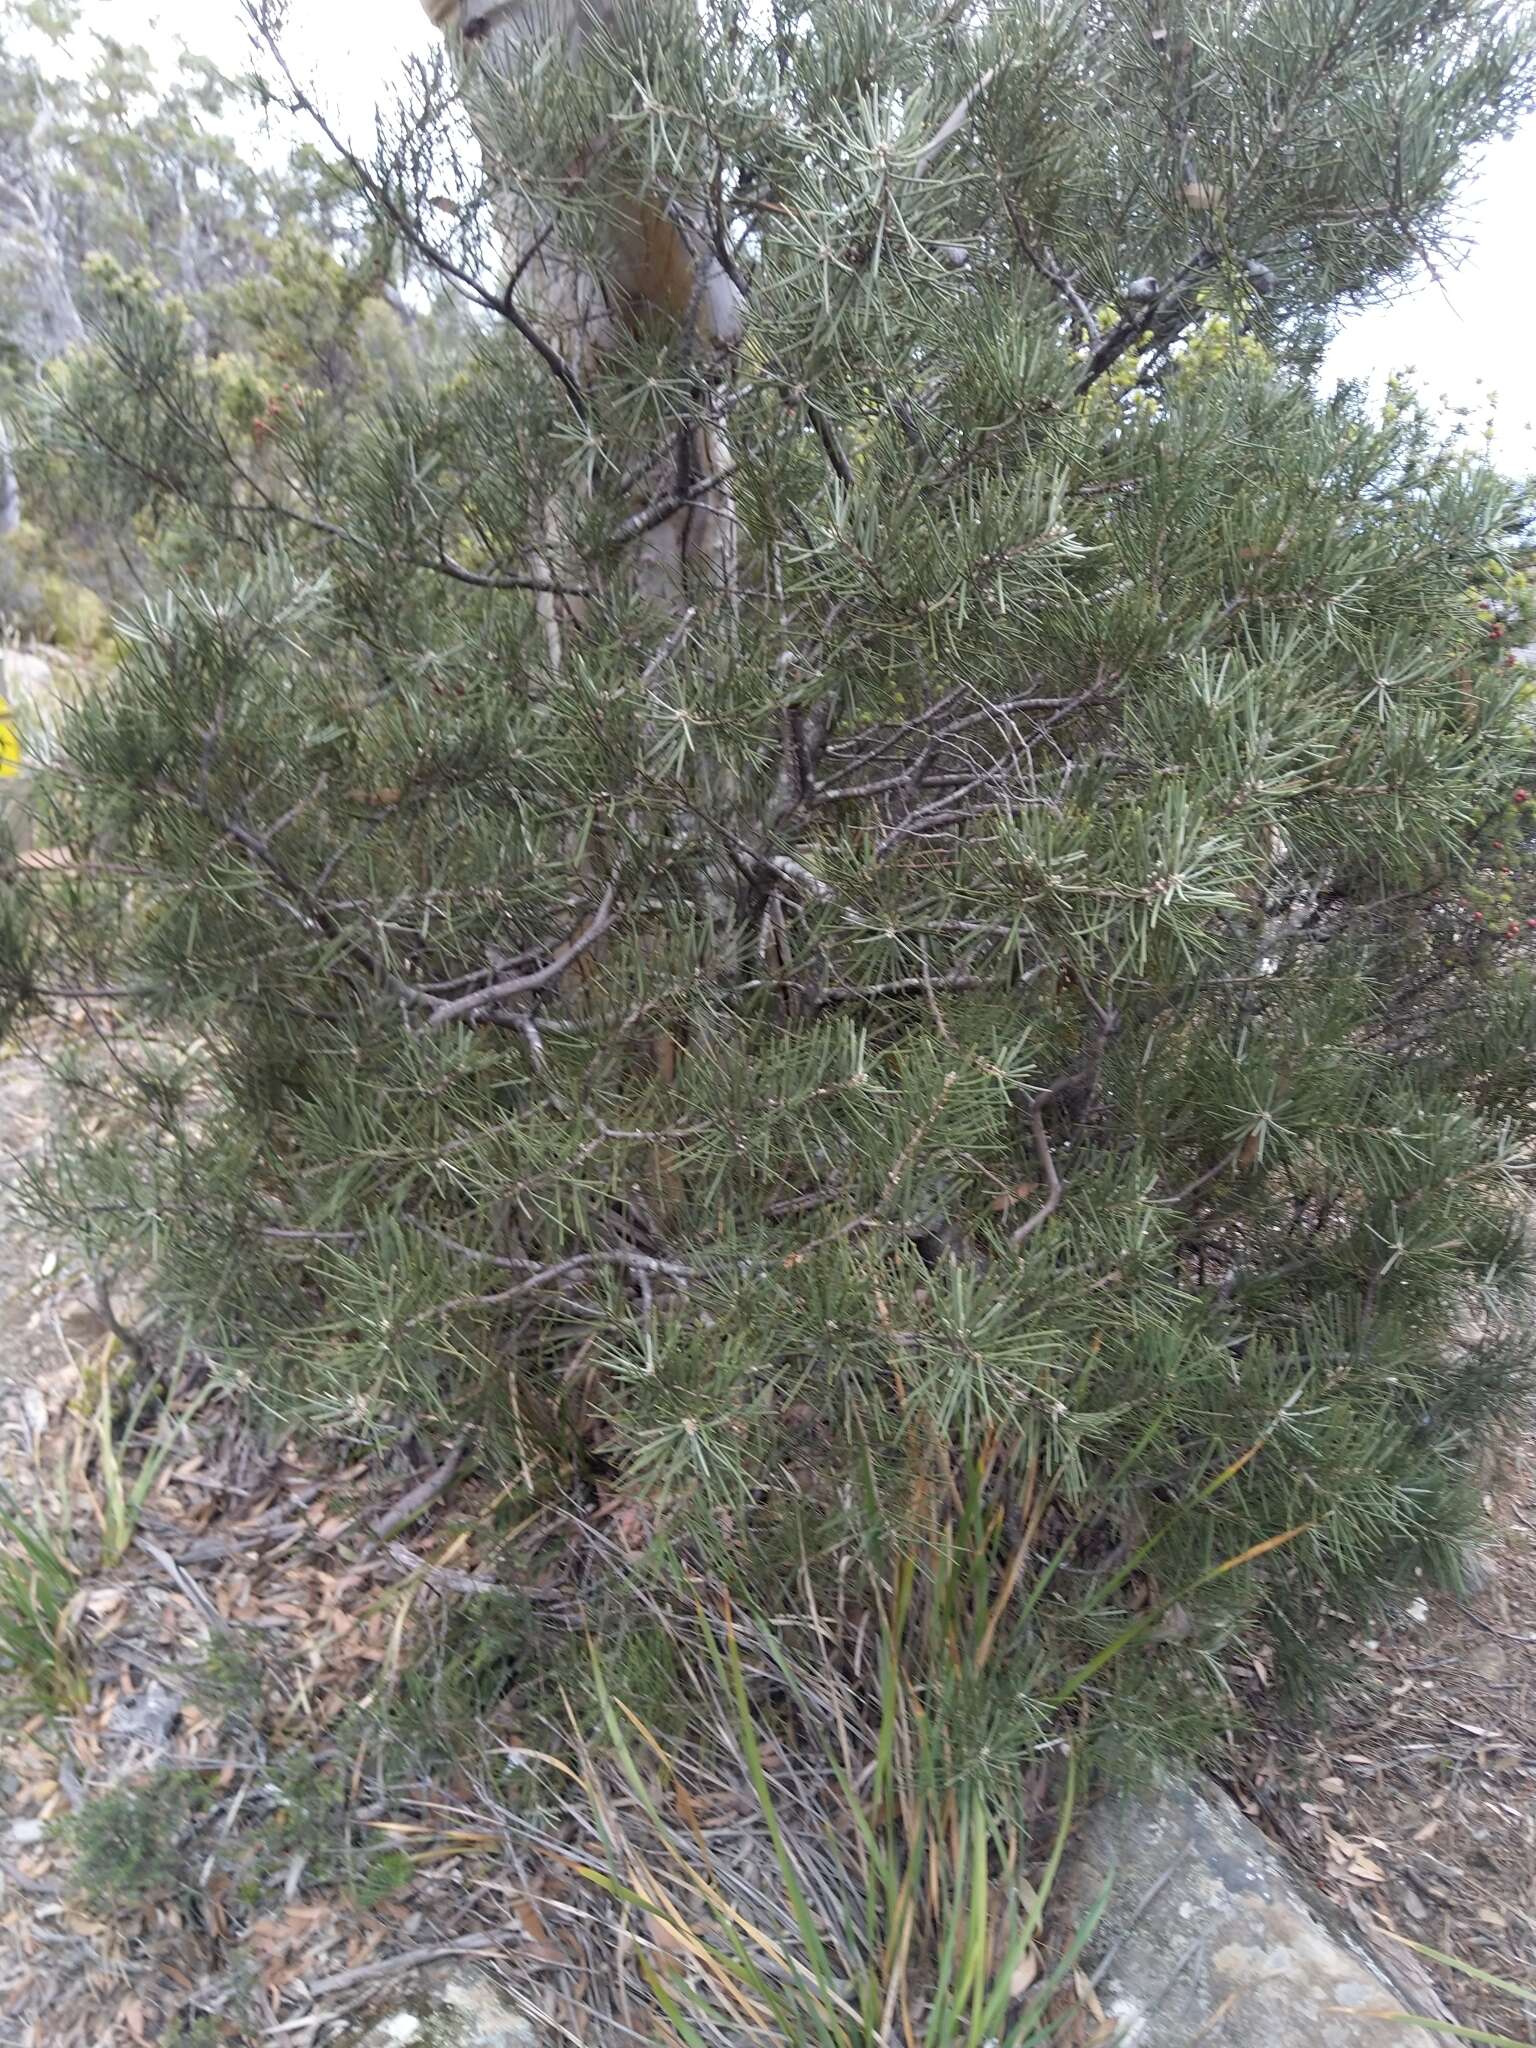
(117, 1408)
(307, 1822)
(230, 1682)
(38, 602)
(130, 1843)
(836, 1834)
(122, 175)
(299, 1832)
(388, 1872)
(40, 1665)
(107, 156)
(472, 1662)
(137, 1843)
(927, 1046)
(203, 2033)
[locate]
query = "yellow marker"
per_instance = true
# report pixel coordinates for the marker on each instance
(10, 744)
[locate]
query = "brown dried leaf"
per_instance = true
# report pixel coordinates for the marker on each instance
(1025, 1972)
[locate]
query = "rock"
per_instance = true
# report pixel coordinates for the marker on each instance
(447, 2005)
(1208, 1936)
(1479, 1569)
(145, 1719)
(24, 675)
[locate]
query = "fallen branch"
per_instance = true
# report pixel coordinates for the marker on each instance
(407, 1959)
(410, 1504)
(442, 1578)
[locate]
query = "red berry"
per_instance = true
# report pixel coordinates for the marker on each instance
(1478, 915)
(1522, 796)
(1511, 929)
(1495, 632)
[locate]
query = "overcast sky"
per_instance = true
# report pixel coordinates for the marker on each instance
(1465, 339)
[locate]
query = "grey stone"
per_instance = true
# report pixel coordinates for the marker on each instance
(24, 675)
(145, 1720)
(447, 2006)
(1207, 1936)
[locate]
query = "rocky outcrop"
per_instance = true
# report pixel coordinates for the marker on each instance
(1207, 1936)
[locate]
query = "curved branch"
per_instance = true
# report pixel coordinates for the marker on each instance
(540, 977)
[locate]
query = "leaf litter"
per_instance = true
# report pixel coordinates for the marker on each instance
(227, 1652)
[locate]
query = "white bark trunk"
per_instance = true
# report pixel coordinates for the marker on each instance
(10, 490)
(658, 263)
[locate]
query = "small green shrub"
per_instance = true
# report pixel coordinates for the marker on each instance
(129, 1844)
(230, 1682)
(463, 1676)
(308, 1824)
(201, 2033)
(388, 1872)
(307, 1836)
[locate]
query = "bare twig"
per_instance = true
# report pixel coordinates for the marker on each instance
(560, 1269)
(1052, 1202)
(1042, 260)
(381, 197)
(183, 1583)
(537, 978)
(660, 510)
(130, 1340)
(420, 1496)
(668, 647)
(827, 436)
(442, 1578)
(1228, 1158)
(541, 586)
(952, 123)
